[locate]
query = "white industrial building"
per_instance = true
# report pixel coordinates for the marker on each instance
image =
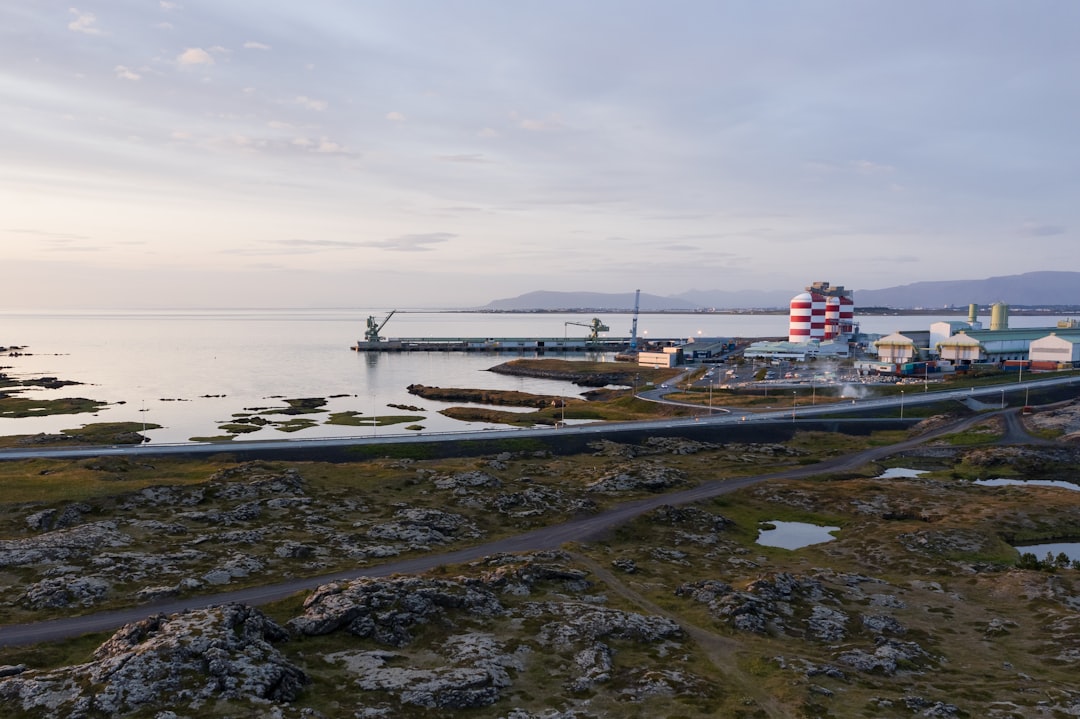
(1055, 348)
(896, 349)
(960, 349)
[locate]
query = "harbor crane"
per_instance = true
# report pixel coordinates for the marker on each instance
(633, 327)
(371, 334)
(595, 328)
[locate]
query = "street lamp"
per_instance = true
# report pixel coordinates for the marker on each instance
(901, 404)
(793, 405)
(1003, 399)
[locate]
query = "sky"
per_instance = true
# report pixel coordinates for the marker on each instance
(370, 153)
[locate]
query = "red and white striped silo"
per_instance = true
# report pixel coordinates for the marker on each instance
(832, 317)
(799, 317)
(847, 315)
(806, 317)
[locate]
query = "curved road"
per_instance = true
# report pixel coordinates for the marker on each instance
(583, 529)
(995, 393)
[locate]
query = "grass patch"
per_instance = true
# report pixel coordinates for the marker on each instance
(354, 419)
(14, 407)
(295, 424)
(52, 655)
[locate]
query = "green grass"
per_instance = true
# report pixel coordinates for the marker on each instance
(24, 407)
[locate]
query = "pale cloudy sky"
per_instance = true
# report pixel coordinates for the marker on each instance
(446, 153)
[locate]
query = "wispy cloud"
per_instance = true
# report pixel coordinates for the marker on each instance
(1034, 229)
(464, 157)
(252, 45)
(551, 123)
(411, 243)
(125, 73)
(395, 116)
(295, 246)
(84, 22)
(195, 56)
(167, 6)
(310, 103)
(55, 236)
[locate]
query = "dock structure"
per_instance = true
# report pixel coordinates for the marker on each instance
(496, 344)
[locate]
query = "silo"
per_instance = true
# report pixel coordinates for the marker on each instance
(847, 316)
(817, 316)
(799, 318)
(832, 317)
(999, 316)
(973, 313)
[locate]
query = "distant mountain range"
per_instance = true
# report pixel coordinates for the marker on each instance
(1033, 289)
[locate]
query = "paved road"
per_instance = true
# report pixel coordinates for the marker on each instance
(578, 530)
(994, 394)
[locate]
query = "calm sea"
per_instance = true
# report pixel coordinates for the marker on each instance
(190, 371)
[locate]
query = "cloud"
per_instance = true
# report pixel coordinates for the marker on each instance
(295, 246)
(167, 6)
(84, 22)
(195, 56)
(125, 73)
(395, 116)
(52, 236)
(309, 103)
(1033, 229)
(473, 157)
(322, 145)
(252, 45)
(866, 167)
(411, 243)
(488, 132)
(552, 124)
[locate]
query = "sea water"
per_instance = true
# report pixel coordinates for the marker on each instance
(191, 370)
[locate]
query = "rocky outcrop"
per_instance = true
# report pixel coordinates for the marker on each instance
(79, 541)
(49, 519)
(473, 671)
(419, 526)
(386, 610)
(644, 477)
(184, 661)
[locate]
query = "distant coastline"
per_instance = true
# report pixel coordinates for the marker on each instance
(1015, 310)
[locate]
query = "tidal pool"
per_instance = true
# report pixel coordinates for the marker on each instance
(795, 535)
(900, 472)
(1001, 482)
(1071, 550)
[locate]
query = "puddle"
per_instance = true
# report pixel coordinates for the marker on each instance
(795, 535)
(1071, 550)
(1028, 483)
(900, 472)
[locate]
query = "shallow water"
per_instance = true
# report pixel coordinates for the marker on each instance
(795, 535)
(1002, 482)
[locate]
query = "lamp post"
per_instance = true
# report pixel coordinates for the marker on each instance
(793, 405)
(813, 396)
(1003, 399)
(901, 404)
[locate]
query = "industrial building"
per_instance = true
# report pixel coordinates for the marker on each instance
(822, 312)
(821, 323)
(956, 345)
